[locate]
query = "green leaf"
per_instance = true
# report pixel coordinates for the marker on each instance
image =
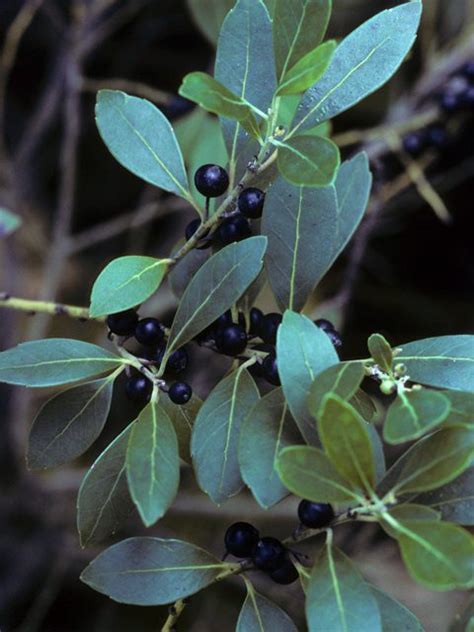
(151, 571)
(299, 223)
(216, 98)
(244, 65)
(298, 27)
(408, 511)
(9, 222)
(436, 460)
(342, 379)
(259, 614)
(216, 286)
(183, 271)
(267, 429)
(445, 362)
(310, 161)
(104, 502)
(345, 438)
(126, 282)
(381, 352)
(142, 140)
(413, 414)
(462, 407)
(377, 451)
(364, 404)
(183, 418)
(455, 500)
(303, 351)
(55, 361)
(395, 616)
(438, 555)
(338, 598)
(214, 443)
(308, 473)
(307, 70)
(153, 463)
(363, 62)
(69, 423)
(209, 15)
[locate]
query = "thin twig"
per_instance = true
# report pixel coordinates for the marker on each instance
(44, 307)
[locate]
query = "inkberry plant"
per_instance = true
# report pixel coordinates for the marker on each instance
(275, 85)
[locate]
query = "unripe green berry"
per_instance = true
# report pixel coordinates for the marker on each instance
(388, 387)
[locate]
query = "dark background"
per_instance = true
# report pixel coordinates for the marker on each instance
(407, 275)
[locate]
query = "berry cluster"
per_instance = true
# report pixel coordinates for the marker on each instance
(268, 554)
(150, 333)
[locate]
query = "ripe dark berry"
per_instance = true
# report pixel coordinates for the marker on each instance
(269, 327)
(233, 229)
(191, 228)
(286, 574)
(123, 323)
(180, 393)
(450, 102)
(270, 370)
(241, 539)
(224, 320)
(468, 98)
(335, 338)
(256, 318)
(269, 554)
(178, 361)
(325, 325)
(437, 136)
(149, 332)
(251, 202)
(231, 340)
(315, 515)
(138, 389)
(211, 180)
(257, 369)
(468, 70)
(155, 355)
(414, 143)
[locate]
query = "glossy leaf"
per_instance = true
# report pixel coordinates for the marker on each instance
(462, 408)
(265, 432)
(310, 161)
(242, 67)
(308, 473)
(307, 70)
(104, 501)
(214, 444)
(215, 288)
(341, 379)
(338, 598)
(183, 418)
(126, 282)
(437, 554)
(9, 222)
(181, 274)
(153, 463)
(381, 352)
(142, 140)
(363, 61)
(347, 443)
(69, 423)
(303, 351)
(151, 571)
(298, 27)
(55, 361)
(445, 362)
(395, 616)
(413, 414)
(455, 500)
(437, 460)
(409, 511)
(216, 98)
(259, 614)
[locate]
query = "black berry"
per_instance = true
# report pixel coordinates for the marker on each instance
(123, 323)
(138, 389)
(286, 574)
(468, 98)
(211, 180)
(178, 361)
(233, 229)
(325, 325)
(223, 320)
(269, 555)
(414, 143)
(335, 338)
(468, 70)
(251, 202)
(191, 228)
(256, 318)
(241, 539)
(450, 102)
(257, 369)
(180, 393)
(269, 327)
(231, 340)
(270, 370)
(437, 136)
(315, 515)
(149, 332)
